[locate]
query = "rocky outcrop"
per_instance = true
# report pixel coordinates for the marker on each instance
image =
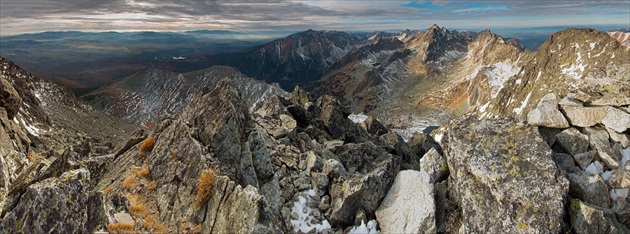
(496, 172)
(10, 100)
(58, 204)
(409, 206)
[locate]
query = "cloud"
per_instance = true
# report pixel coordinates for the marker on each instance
(19, 16)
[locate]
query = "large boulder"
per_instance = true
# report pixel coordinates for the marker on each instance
(547, 114)
(10, 99)
(503, 177)
(56, 204)
(409, 206)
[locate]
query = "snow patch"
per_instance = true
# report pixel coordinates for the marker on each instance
(358, 118)
(370, 228)
(483, 108)
(618, 193)
(523, 104)
(606, 175)
(595, 168)
(592, 44)
(625, 155)
(499, 73)
(305, 222)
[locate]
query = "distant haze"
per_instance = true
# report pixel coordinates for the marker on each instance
(283, 16)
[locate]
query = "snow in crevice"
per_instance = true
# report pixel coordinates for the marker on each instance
(370, 228)
(595, 168)
(358, 118)
(305, 222)
(523, 104)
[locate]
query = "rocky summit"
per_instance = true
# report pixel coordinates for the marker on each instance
(535, 142)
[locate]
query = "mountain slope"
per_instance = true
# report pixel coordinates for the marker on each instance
(293, 60)
(571, 60)
(148, 96)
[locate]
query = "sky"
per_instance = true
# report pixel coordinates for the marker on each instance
(262, 16)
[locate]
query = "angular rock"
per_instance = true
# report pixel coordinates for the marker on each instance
(589, 219)
(57, 204)
(362, 191)
(589, 188)
(617, 120)
(288, 122)
(565, 162)
(549, 134)
(572, 141)
(394, 144)
(334, 119)
(496, 172)
(619, 178)
(547, 114)
(299, 96)
(416, 143)
(434, 165)
(598, 140)
(373, 126)
(583, 159)
(409, 206)
(10, 99)
(584, 116)
(260, 156)
(623, 139)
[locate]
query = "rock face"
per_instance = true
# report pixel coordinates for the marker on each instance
(230, 202)
(58, 204)
(409, 206)
(507, 176)
(10, 100)
(547, 114)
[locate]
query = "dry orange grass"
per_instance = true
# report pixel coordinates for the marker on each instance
(141, 172)
(204, 187)
(120, 227)
(107, 190)
(152, 185)
(147, 146)
(130, 182)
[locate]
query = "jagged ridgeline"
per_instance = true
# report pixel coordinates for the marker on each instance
(536, 142)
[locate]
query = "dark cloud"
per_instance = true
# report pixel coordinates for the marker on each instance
(288, 15)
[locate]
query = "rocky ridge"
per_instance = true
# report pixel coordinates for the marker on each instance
(149, 96)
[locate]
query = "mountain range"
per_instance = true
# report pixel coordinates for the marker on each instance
(434, 130)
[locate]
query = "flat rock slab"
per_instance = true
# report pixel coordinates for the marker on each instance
(409, 205)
